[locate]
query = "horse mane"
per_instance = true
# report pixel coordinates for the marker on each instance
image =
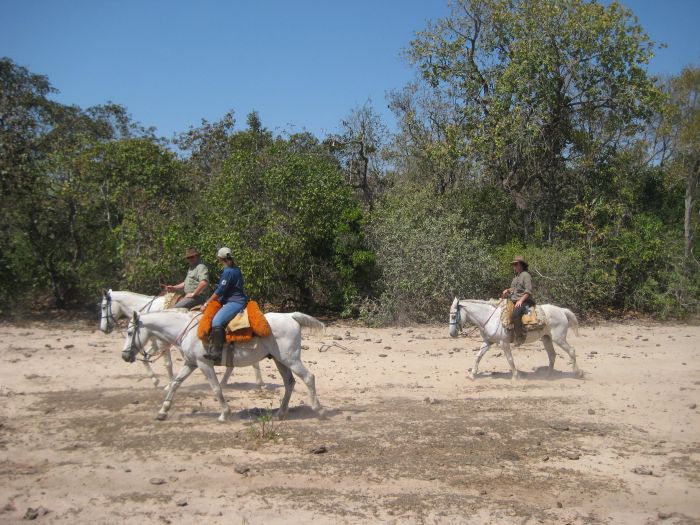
(490, 302)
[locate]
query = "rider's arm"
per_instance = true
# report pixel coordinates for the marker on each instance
(213, 297)
(180, 286)
(524, 298)
(200, 287)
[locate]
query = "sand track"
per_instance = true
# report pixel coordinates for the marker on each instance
(409, 439)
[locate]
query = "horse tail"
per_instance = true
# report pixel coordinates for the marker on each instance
(571, 317)
(306, 321)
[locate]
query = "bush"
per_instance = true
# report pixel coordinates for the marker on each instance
(426, 257)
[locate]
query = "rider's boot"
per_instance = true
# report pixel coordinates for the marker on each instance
(216, 343)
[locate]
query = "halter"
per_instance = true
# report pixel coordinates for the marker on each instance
(111, 321)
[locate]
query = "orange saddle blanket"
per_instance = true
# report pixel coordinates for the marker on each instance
(258, 324)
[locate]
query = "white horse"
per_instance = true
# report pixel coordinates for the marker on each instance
(118, 304)
(177, 328)
(488, 318)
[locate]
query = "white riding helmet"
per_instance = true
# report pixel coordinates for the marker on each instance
(224, 253)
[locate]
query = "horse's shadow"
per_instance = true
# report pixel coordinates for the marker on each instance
(541, 373)
(294, 413)
(236, 385)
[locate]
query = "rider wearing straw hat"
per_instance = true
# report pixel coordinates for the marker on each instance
(195, 284)
(520, 293)
(233, 299)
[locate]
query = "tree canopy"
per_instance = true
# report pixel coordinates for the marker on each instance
(533, 127)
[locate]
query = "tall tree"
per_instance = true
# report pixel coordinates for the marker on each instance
(535, 93)
(682, 134)
(360, 147)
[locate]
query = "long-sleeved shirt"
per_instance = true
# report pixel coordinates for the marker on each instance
(521, 285)
(230, 287)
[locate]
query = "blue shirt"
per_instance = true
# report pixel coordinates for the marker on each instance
(230, 287)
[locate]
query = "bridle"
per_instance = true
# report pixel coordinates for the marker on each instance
(479, 326)
(129, 354)
(111, 321)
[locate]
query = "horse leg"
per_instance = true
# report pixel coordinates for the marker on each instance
(509, 357)
(258, 376)
(289, 382)
(151, 373)
(475, 369)
(308, 378)
(183, 374)
(210, 374)
(226, 376)
(168, 360)
(547, 341)
(572, 354)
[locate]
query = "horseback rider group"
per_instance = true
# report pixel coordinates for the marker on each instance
(229, 292)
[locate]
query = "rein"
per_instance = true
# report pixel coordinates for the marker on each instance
(148, 305)
(187, 329)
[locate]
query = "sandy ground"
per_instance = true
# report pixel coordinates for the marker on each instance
(409, 438)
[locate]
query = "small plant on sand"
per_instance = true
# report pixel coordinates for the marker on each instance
(265, 426)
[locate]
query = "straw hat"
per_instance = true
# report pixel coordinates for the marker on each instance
(191, 252)
(519, 259)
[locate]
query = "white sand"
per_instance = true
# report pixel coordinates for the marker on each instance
(410, 439)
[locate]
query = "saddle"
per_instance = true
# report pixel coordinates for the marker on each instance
(249, 323)
(170, 299)
(533, 319)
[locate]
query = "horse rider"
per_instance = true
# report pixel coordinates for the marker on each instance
(229, 292)
(195, 284)
(520, 293)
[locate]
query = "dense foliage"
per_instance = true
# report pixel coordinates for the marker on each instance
(532, 128)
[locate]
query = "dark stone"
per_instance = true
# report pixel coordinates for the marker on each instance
(319, 450)
(241, 469)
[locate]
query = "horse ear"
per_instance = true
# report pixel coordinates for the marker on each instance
(104, 292)
(135, 318)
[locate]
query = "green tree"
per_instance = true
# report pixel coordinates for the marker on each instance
(681, 131)
(533, 94)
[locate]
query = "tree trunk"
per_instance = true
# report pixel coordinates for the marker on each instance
(690, 197)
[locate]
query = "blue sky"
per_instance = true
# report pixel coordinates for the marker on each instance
(301, 64)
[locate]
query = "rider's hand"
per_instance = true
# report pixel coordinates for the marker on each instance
(519, 303)
(505, 292)
(203, 307)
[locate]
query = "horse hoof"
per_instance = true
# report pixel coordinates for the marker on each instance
(321, 413)
(161, 416)
(222, 418)
(471, 377)
(156, 382)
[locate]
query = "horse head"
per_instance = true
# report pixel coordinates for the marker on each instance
(107, 319)
(455, 318)
(134, 341)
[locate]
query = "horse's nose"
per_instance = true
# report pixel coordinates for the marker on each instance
(126, 356)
